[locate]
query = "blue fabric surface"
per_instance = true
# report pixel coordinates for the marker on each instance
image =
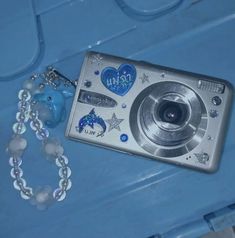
(113, 194)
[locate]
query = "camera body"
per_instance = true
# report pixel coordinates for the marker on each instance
(153, 111)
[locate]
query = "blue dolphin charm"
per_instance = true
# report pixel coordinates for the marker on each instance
(89, 120)
(54, 102)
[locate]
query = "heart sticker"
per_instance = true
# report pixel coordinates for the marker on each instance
(119, 81)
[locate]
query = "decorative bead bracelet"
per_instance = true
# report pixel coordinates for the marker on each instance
(28, 114)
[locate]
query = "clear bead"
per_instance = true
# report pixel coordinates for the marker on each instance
(33, 115)
(16, 146)
(65, 172)
(24, 95)
(23, 106)
(19, 128)
(26, 193)
(42, 134)
(22, 117)
(16, 172)
(65, 184)
(62, 161)
(36, 124)
(15, 161)
(59, 194)
(19, 183)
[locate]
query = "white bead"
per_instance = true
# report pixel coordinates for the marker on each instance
(29, 85)
(17, 145)
(42, 198)
(53, 148)
(50, 148)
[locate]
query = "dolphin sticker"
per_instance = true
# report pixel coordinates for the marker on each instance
(90, 120)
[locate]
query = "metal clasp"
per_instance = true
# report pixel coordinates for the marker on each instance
(54, 78)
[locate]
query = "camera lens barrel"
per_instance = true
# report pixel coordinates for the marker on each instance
(168, 119)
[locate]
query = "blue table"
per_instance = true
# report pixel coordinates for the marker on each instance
(113, 194)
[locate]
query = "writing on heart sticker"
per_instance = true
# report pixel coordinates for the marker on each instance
(119, 81)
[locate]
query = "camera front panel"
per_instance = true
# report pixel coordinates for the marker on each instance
(149, 110)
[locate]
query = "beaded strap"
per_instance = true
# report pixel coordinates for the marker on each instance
(43, 196)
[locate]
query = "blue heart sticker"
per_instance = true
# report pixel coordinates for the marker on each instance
(119, 81)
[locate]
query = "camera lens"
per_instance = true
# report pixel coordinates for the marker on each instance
(173, 112)
(168, 119)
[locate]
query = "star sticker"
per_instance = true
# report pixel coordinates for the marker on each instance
(96, 59)
(144, 78)
(114, 122)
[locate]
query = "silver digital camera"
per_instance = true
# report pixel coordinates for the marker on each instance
(153, 111)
